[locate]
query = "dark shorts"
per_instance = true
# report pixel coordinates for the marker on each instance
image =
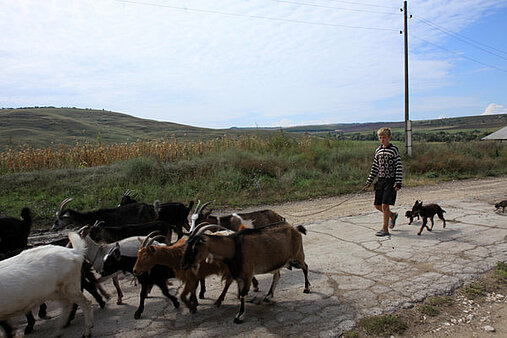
(384, 192)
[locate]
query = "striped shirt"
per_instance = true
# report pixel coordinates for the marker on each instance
(386, 164)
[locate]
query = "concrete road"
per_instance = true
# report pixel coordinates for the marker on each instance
(353, 274)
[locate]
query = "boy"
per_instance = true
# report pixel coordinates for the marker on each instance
(387, 166)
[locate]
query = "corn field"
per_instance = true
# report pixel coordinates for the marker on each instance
(167, 150)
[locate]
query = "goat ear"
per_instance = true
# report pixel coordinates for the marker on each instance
(140, 240)
(151, 249)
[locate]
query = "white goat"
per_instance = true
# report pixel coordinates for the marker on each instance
(47, 272)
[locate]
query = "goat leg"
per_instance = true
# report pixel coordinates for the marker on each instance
(243, 287)
(118, 290)
(203, 288)
(43, 310)
(270, 294)
(30, 322)
(7, 328)
(142, 297)
(255, 284)
(220, 299)
(307, 282)
(432, 222)
(165, 291)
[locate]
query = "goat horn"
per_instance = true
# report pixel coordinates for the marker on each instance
(208, 227)
(197, 206)
(64, 203)
(153, 239)
(97, 223)
(149, 236)
(204, 206)
(197, 227)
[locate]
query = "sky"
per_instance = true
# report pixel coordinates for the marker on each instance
(246, 63)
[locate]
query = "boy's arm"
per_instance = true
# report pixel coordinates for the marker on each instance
(399, 171)
(373, 171)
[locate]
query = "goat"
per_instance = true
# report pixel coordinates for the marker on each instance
(43, 273)
(130, 213)
(171, 212)
(411, 216)
(426, 211)
(97, 252)
(501, 204)
(88, 282)
(249, 252)
(14, 232)
(233, 222)
(149, 257)
(99, 232)
(115, 261)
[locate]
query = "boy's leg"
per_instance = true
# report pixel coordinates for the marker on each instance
(387, 215)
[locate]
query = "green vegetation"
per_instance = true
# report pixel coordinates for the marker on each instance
(275, 170)
(474, 290)
(439, 301)
(384, 325)
(428, 310)
(501, 271)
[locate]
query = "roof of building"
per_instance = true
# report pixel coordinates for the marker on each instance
(497, 135)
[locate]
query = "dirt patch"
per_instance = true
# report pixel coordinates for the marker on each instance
(476, 310)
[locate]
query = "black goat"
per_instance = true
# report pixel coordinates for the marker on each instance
(14, 232)
(130, 213)
(175, 213)
(99, 232)
(428, 211)
(114, 262)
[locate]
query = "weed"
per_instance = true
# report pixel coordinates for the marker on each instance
(428, 310)
(501, 271)
(474, 290)
(384, 325)
(439, 300)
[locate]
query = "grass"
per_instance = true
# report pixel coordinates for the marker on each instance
(501, 271)
(233, 172)
(474, 290)
(383, 325)
(429, 310)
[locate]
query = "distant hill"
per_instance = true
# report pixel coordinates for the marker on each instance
(39, 127)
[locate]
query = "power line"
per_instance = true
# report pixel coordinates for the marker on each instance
(463, 38)
(332, 7)
(363, 4)
(458, 54)
(210, 11)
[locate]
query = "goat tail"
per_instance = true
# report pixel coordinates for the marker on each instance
(301, 229)
(78, 243)
(26, 215)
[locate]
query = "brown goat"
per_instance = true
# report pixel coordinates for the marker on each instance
(249, 252)
(149, 255)
(259, 218)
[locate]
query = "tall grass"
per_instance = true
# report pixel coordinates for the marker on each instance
(233, 172)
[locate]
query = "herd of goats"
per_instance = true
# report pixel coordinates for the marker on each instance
(136, 237)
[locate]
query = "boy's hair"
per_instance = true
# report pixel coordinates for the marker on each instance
(384, 131)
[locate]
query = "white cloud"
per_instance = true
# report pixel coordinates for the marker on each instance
(494, 108)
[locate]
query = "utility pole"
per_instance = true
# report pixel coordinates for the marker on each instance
(408, 123)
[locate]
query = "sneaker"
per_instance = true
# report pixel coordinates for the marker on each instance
(392, 221)
(382, 233)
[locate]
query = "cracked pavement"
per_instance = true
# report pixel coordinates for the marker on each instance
(353, 274)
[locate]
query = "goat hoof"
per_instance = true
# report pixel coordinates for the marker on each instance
(306, 291)
(102, 305)
(137, 315)
(176, 305)
(237, 321)
(418, 234)
(256, 289)
(201, 296)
